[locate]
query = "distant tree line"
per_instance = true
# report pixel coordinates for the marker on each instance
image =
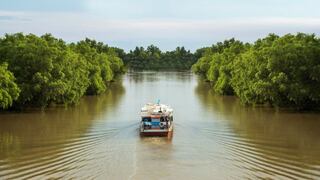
(279, 71)
(152, 58)
(39, 71)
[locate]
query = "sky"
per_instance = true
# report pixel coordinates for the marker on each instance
(164, 23)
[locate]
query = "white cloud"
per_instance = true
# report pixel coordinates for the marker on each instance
(167, 33)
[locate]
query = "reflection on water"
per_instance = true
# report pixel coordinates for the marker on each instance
(214, 136)
(56, 141)
(264, 141)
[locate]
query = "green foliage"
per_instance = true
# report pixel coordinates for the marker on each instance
(116, 63)
(203, 64)
(9, 91)
(102, 62)
(94, 64)
(47, 70)
(217, 64)
(153, 58)
(280, 71)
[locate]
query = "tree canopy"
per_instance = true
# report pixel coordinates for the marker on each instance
(9, 91)
(152, 58)
(48, 70)
(280, 71)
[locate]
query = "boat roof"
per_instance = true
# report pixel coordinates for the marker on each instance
(150, 109)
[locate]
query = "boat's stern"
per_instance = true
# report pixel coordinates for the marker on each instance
(156, 120)
(156, 131)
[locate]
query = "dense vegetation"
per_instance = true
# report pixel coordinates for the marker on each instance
(152, 58)
(280, 71)
(9, 91)
(39, 71)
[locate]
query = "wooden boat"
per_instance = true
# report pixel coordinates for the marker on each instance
(156, 120)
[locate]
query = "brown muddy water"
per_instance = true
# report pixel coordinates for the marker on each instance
(214, 137)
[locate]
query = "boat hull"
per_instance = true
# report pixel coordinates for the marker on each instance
(161, 133)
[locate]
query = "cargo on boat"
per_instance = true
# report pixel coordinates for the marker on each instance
(156, 120)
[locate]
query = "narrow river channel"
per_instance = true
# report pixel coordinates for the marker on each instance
(214, 137)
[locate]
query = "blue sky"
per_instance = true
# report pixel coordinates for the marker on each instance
(165, 23)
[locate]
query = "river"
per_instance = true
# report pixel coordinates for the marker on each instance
(214, 137)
